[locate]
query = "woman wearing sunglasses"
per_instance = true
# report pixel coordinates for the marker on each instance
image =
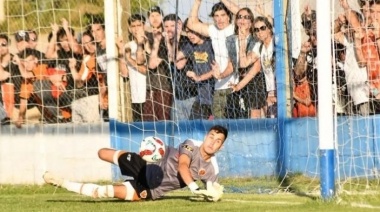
(248, 97)
(263, 30)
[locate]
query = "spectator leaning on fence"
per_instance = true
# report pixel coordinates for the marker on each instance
(7, 89)
(221, 13)
(367, 40)
(199, 53)
(155, 16)
(184, 87)
(97, 28)
(85, 108)
(305, 65)
(135, 72)
(249, 92)
(35, 73)
(159, 77)
(340, 94)
(355, 72)
(263, 28)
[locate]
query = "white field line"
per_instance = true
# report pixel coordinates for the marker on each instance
(266, 202)
(361, 205)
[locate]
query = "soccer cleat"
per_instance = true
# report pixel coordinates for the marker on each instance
(53, 180)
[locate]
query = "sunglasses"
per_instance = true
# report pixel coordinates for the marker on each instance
(262, 28)
(4, 44)
(246, 17)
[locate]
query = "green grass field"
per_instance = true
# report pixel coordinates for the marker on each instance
(240, 195)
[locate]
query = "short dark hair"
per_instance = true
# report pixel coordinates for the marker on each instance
(156, 9)
(28, 52)
(184, 27)
(171, 17)
(136, 17)
(5, 37)
(220, 6)
(96, 19)
(220, 129)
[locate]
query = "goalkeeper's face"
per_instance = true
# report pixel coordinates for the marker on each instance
(213, 142)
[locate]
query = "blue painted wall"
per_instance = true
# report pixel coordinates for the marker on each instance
(253, 146)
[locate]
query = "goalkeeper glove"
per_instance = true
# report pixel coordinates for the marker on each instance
(195, 190)
(214, 191)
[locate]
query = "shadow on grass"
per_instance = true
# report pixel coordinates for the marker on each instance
(118, 200)
(299, 185)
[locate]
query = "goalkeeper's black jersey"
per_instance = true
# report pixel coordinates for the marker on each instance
(171, 180)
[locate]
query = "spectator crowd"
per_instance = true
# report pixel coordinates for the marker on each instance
(186, 69)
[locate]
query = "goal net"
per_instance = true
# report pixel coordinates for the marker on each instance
(71, 89)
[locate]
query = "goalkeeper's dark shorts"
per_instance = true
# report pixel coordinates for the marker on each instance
(132, 165)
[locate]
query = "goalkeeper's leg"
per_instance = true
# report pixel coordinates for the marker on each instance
(123, 191)
(110, 155)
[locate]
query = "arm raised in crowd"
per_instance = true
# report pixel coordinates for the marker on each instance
(142, 47)
(339, 22)
(301, 64)
(121, 57)
(51, 51)
(231, 6)
(362, 62)
(351, 16)
(194, 23)
(154, 59)
(75, 47)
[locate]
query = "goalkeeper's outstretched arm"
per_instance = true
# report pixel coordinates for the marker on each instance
(184, 171)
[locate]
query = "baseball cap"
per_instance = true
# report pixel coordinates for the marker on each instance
(22, 35)
(155, 9)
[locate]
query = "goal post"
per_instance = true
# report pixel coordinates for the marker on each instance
(325, 104)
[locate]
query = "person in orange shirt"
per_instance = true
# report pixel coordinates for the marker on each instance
(86, 80)
(369, 35)
(33, 71)
(303, 105)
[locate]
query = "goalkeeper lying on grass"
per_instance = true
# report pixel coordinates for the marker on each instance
(179, 168)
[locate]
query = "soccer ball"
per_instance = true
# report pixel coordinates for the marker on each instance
(152, 149)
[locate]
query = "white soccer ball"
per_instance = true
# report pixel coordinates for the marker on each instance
(152, 149)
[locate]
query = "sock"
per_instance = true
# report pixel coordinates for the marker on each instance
(89, 189)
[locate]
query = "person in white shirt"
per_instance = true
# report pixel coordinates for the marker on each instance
(221, 13)
(136, 72)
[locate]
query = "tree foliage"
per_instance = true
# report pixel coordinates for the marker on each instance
(33, 14)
